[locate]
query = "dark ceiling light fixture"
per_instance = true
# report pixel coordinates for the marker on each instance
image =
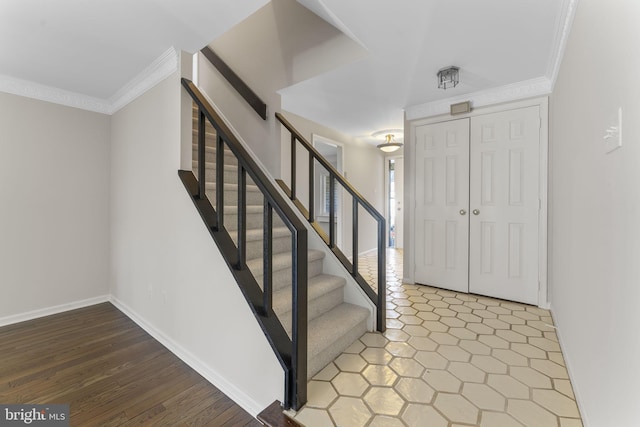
(448, 77)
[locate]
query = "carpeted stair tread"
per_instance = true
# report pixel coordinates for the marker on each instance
(251, 188)
(317, 286)
(257, 233)
(282, 261)
(328, 333)
(325, 293)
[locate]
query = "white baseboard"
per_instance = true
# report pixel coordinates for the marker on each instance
(30, 315)
(567, 362)
(210, 374)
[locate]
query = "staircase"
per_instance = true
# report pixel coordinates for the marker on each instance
(333, 324)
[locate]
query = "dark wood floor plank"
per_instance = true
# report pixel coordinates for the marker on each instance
(110, 371)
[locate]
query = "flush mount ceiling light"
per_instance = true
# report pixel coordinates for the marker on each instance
(448, 77)
(390, 145)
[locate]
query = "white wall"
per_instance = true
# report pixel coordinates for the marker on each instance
(54, 207)
(166, 270)
(595, 209)
(278, 46)
(363, 165)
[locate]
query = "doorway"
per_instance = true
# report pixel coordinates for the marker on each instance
(394, 179)
(332, 151)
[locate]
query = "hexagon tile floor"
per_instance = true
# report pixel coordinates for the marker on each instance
(446, 360)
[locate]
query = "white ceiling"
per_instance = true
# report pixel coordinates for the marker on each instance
(95, 47)
(505, 49)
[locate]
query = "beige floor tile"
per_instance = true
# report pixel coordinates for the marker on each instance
(544, 344)
(320, 394)
(350, 384)
(456, 408)
(380, 375)
(373, 340)
(475, 347)
(401, 349)
(557, 403)
(531, 414)
(484, 397)
(311, 417)
(570, 422)
(530, 377)
(550, 369)
(489, 364)
(414, 390)
(446, 360)
(423, 343)
(467, 372)
(407, 367)
(431, 359)
(496, 419)
(327, 373)
(454, 353)
(376, 356)
(529, 351)
(384, 401)
(422, 416)
(386, 421)
(350, 412)
(508, 386)
(564, 387)
(510, 357)
(442, 381)
(350, 362)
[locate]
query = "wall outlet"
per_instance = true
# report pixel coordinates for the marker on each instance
(613, 135)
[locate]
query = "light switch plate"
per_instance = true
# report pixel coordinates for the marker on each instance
(613, 135)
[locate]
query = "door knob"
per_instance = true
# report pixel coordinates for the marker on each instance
(476, 212)
(463, 212)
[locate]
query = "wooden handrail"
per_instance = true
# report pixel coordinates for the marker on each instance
(236, 82)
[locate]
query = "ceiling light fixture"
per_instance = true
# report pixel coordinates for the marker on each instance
(390, 145)
(448, 77)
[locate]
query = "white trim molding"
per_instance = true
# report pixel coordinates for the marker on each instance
(157, 71)
(165, 65)
(560, 40)
(48, 311)
(54, 95)
(508, 93)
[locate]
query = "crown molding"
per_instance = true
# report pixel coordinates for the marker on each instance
(507, 93)
(561, 38)
(41, 92)
(158, 70)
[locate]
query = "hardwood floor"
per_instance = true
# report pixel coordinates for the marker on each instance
(110, 371)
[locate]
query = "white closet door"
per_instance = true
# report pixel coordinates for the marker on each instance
(442, 205)
(504, 203)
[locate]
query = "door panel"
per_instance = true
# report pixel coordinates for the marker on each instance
(442, 191)
(399, 182)
(504, 181)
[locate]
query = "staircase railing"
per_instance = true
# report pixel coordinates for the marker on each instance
(377, 297)
(291, 352)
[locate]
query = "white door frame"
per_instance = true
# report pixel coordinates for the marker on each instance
(409, 173)
(387, 214)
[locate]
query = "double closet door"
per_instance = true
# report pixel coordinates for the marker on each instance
(478, 204)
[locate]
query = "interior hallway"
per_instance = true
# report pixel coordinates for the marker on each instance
(446, 360)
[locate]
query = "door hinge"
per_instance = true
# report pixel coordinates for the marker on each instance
(539, 204)
(539, 122)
